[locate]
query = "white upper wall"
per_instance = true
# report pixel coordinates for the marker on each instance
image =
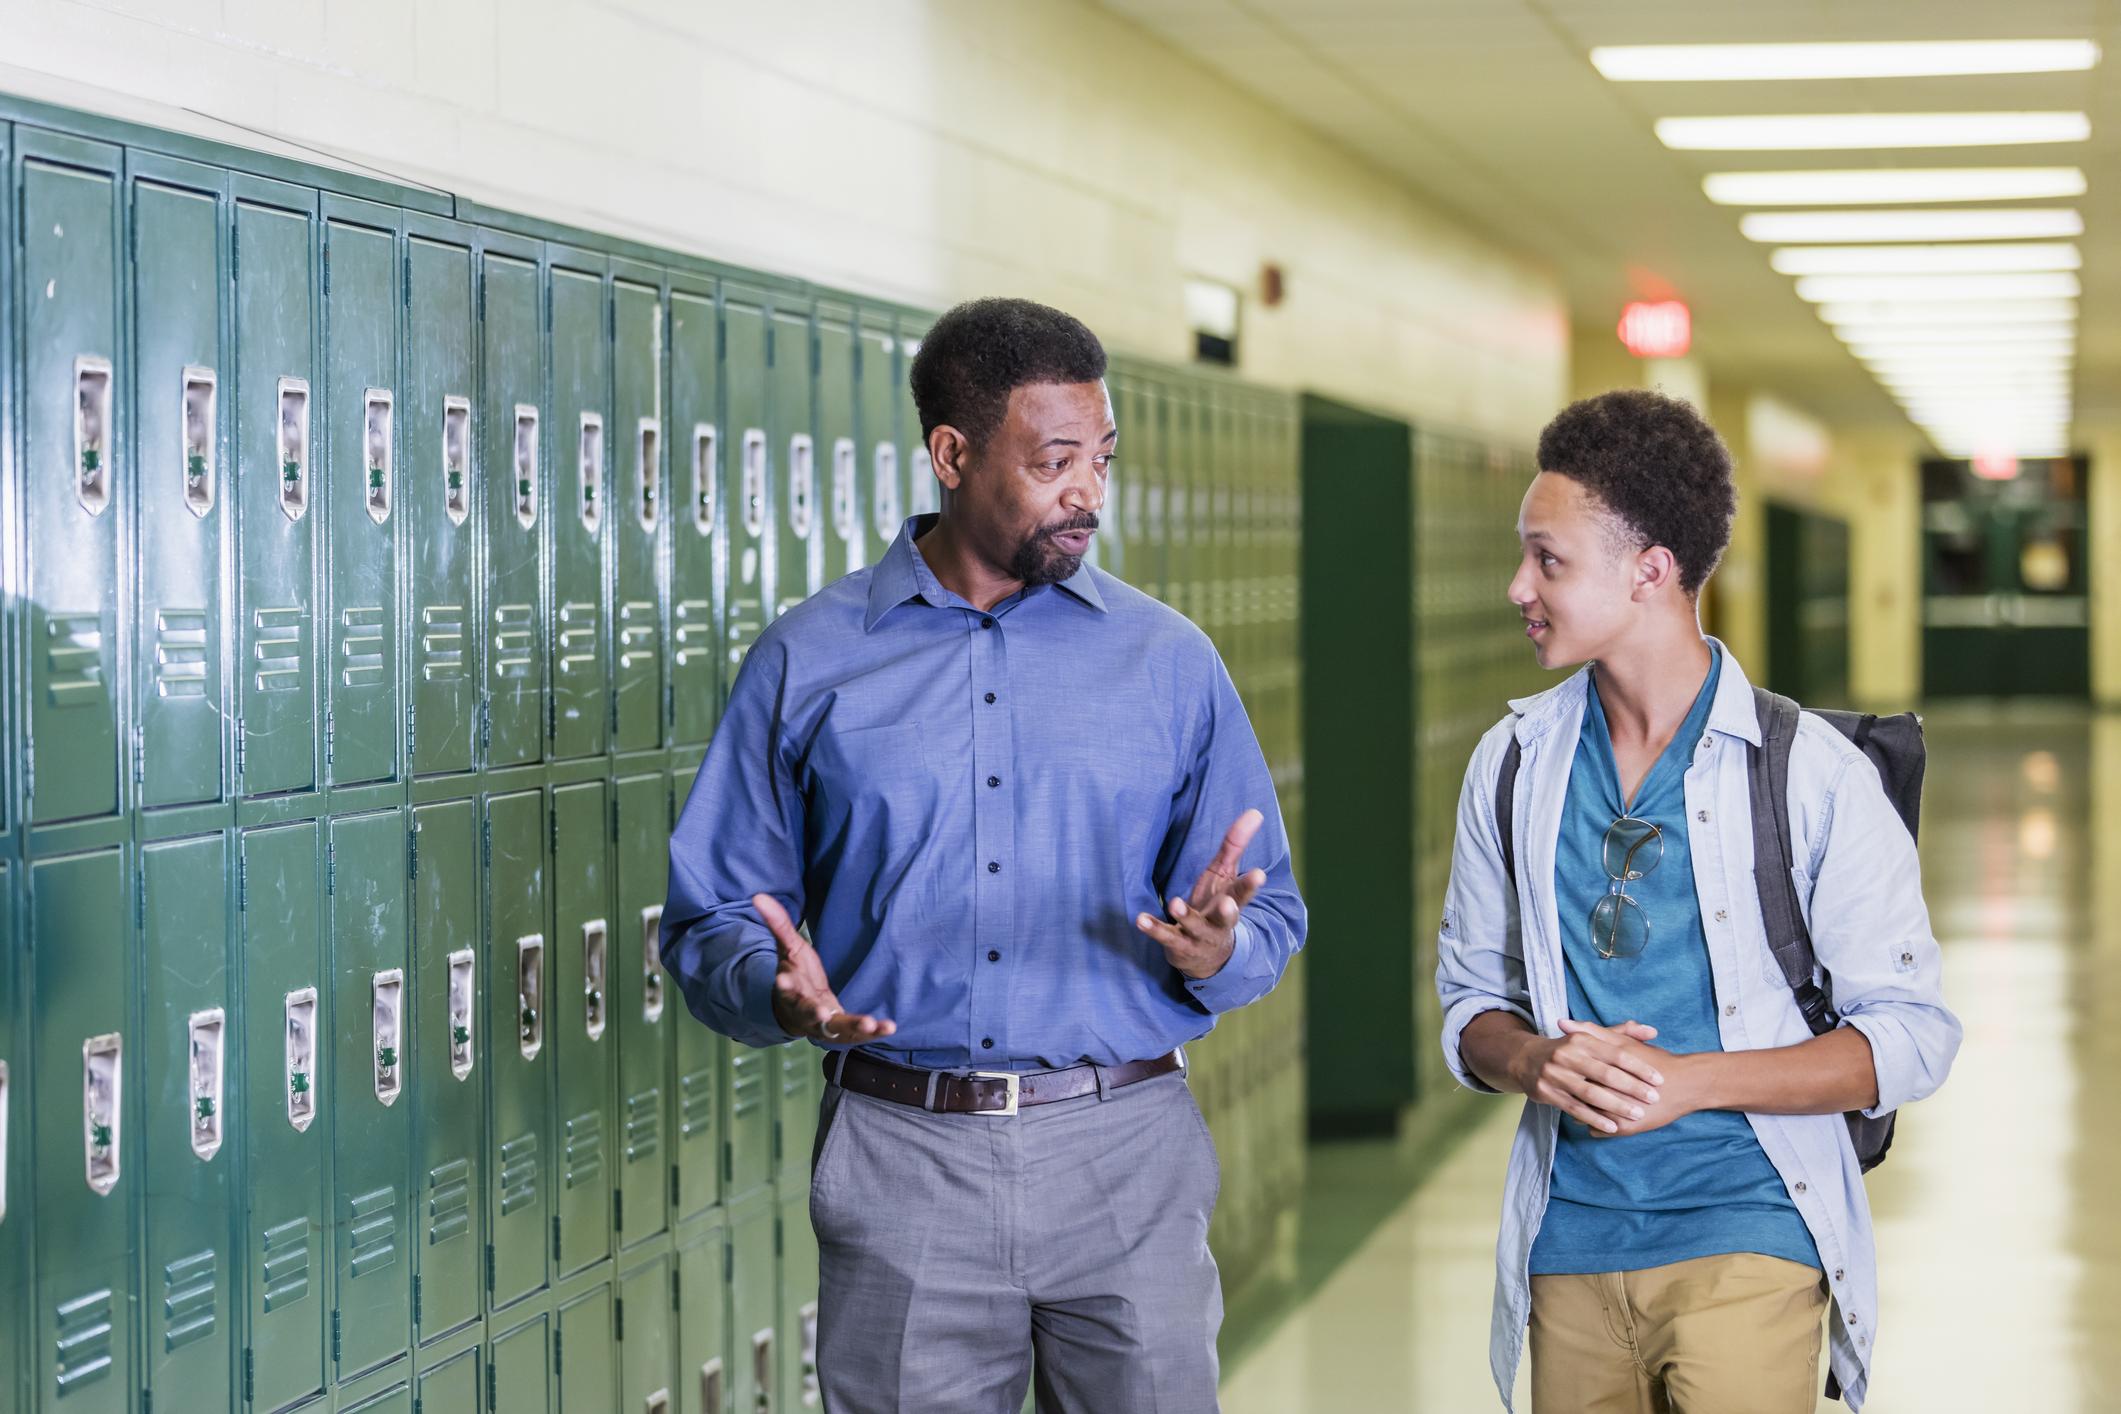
(922, 151)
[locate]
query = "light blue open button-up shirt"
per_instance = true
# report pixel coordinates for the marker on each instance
(969, 809)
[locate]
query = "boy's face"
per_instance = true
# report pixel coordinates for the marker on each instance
(1577, 585)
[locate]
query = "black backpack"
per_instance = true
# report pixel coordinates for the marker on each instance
(1893, 745)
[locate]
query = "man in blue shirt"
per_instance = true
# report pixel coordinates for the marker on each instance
(1683, 1202)
(1012, 798)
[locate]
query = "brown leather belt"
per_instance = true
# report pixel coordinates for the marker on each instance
(986, 1092)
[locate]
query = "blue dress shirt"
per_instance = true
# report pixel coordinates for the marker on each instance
(969, 809)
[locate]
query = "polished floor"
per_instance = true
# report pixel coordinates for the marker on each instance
(1998, 1213)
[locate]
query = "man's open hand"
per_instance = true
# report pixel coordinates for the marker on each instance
(803, 1000)
(1202, 929)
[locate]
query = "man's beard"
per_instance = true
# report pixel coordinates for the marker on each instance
(1039, 560)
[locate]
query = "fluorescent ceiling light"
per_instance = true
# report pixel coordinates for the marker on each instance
(1838, 289)
(1958, 355)
(1718, 63)
(2007, 257)
(1892, 185)
(1794, 227)
(1901, 314)
(1821, 132)
(1952, 336)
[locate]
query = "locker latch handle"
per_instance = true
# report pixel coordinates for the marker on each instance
(594, 973)
(102, 1108)
(208, 1035)
(802, 484)
(762, 1371)
(380, 455)
(711, 1386)
(456, 458)
(811, 1394)
(301, 1013)
(706, 445)
(886, 492)
(647, 467)
(659, 1402)
(754, 483)
(590, 464)
(462, 992)
(294, 447)
(530, 994)
(652, 963)
(843, 500)
(92, 433)
(200, 397)
(387, 1010)
(526, 465)
(923, 491)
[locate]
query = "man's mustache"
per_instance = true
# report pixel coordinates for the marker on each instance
(1086, 521)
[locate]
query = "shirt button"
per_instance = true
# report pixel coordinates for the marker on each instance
(986, 623)
(1800, 1186)
(993, 781)
(1837, 1274)
(1730, 1009)
(993, 956)
(986, 1043)
(1702, 816)
(990, 698)
(1722, 916)
(994, 866)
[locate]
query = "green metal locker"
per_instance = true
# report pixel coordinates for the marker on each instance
(798, 532)
(366, 864)
(519, 1369)
(639, 494)
(647, 1321)
(839, 461)
(584, 1356)
(439, 480)
(76, 485)
(276, 428)
(581, 374)
(799, 1088)
(1182, 567)
(703, 1367)
(186, 1078)
(285, 1216)
(1118, 537)
(519, 978)
(877, 376)
(15, 1291)
(449, 1041)
(453, 1386)
(747, 1129)
(754, 1297)
(516, 457)
(923, 495)
(362, 445)
(696, 507)
(391, 1393)
(178, 273)
(647, 1007)
(749, 493)
(582, 955)
(699, 1069)
(1148, 463)
(797, 1246)
(85, 1052)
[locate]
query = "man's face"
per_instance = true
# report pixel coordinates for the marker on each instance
(1027, 502)
(1575, 586)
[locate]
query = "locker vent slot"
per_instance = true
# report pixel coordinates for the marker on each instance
(638, 632)
(361, 646)
(706, 453)
(73, 660)
(448, 1201)
(180, 652)
(578, 638)
(189, 1310)
(456, 458)
(102, 1109)
(519, 1174)
(276, 647)
(83, 1333)
(372, 1232)
(696, 1105)
(583, 1157)
(92, 431)
(286, 1266)
(526, 463)
(442, 642)
(693, 630)
(294, 447)
(644, 1125)
(199, 440)
(747, 1085)
(590, 464)
(380, 454)
(514, 640)
(885, 492)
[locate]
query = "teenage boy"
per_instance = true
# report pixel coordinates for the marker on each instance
(1683, 1200)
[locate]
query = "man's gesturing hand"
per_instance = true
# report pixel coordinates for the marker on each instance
(803, 1001)
(1203, 927)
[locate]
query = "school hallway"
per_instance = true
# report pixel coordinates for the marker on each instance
(1999, 1238)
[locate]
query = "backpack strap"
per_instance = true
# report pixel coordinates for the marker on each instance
(1506, 806)
(1780, 908)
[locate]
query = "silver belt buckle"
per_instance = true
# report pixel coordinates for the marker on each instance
(1010, 1077)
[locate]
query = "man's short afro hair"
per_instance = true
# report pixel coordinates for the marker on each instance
(1657, 466)
(982, 350)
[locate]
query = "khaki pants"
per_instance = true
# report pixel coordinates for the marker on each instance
(1737, 1334)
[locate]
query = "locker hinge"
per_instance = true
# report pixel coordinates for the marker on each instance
(728, 1264)
(486, 862)
(335, 1346)
(728, 1162)
(327, 268)
(416, 1404)
(235, 273)
(817, 358)
(552, 718)
(411, 731)
(139, 755)
(614, 819)
(489, 1269)
(242, 884)
(556, 1354)
(482, 302)
(485, 728)
(670, 705)
(614, 709)
(250, 1374)
(673, 1187)
(776, 1239)
(618, 1211)
(331, 732)
(331, 869)
(493, 1379)
(673, 1291)
(412, 853)
(552, 831)
(618, 1318)
(140, 899)
(239, 749)
(416, 1301)
(147, 1401)
(405, 287)
(29, 769)
(555, 1237)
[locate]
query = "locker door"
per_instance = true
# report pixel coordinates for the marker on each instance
(798, 1310)
(696, 452)
(182, 376)
(372, 1119)
(396, 1400)
(520, 1369)
(792, 445)
(277, 425)
(1181, 563)
(1150, 469)
(585, 948)
(647, 1340)
(186, 1076)
(438, 441)
(647, 1007)
(582, 452)
(76, 482)
(519, 979)
(284, 1205)
(747, 1139)
(749, 494)
(363, 446)
(451, 1387)
(799, 1081)
(14, 1155)
(585, 1354)
(877, 377)
(753, 1304)
(1119, 532)
(449, 1041)
(636, 452)
(517, 456)
(701, 1069)
(703, 1371)
(87, 1146)
(923, 496)
(841, 524)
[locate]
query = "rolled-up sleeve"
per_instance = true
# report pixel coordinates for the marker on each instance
(1228, 777)
(1479, 955)
(1871, 933)
(740, 834)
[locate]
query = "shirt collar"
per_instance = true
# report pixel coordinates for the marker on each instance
(1732, 713)
(903, 574)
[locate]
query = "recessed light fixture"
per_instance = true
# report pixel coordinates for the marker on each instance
(1892, 186)
(1823, 289)
(1795, 227)
(1942, 336)
(1823, 132)
(2005, 257)
(1723, 63)
(1920, 313)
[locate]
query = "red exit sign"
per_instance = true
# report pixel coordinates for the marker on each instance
(1660, 329)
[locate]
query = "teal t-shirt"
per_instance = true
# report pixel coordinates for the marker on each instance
(1701, 1186)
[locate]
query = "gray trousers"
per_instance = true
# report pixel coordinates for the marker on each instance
(951, 1248)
